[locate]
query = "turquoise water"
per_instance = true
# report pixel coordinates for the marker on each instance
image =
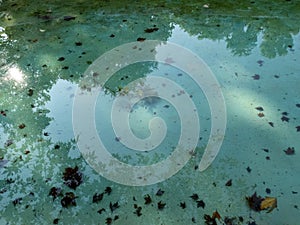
(252, 49)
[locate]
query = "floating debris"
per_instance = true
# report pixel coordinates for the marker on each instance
(78, 43)
(211, 220)
(108, 190)
(138, 210)
(68, 18)
(257, 203)
(61, 59)
(8, 143)
(261, 114)
(141, 39)
(248, 169)
(260, 62)
(17, 201)
(259, 108)
(3, 112)
(30, 92)
(101, 210)
(72, 177)
(22, 126)
(161, 205)
(55, 192)
(256, 77)
(97, 197)
(68, 200)
(229, 183)
(55, 221)
(290, 151)
(298, 128)
(113, 206)
(194, 197)
(150, 30)
(160, 192)
(148, 199)
(285, 119)
(108, 220)
(182, 205)
(201, 204)
(271, 124)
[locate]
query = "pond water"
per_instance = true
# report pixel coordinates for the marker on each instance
(107, 109)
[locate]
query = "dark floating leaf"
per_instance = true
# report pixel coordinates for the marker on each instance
(248, 169)
(200, 204)
(17, 201)
(108, 190)
(97, 197)
(276, 76)
(68, 18)
(285, 119)
(193, 220)
(148, 199)
(265, 150)
(260, 62)
(256, 77)
(160, 192)
(298, 105)
(61, 59)
(55, 221)
(261, 114)
(72, 177)
(55, 192)
(68, 200)
(271, 124)
(182, 205)
(3, 113)
(22, 126)
(101, 210)
(257, 203)
(254, 202)
(211, 220)
(112, 35)
(150, 30)
(65, 68)
(56, 146)
(116, 217)
(108, 220)
(259, 108)
(290, 151)
(138, 210)
(8, 143)
(229, 183)
(285, 113)
(268, 190)
(161, 205)
(114, 206)
(141, 39)
(30, 92)
(298, 128)
(195, 197)
(78, 43)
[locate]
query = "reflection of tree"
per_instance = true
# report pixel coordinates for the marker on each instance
(240, 24)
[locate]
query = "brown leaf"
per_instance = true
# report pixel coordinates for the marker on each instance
(269, 203)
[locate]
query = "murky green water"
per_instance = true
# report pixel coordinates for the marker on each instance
(253, 50)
